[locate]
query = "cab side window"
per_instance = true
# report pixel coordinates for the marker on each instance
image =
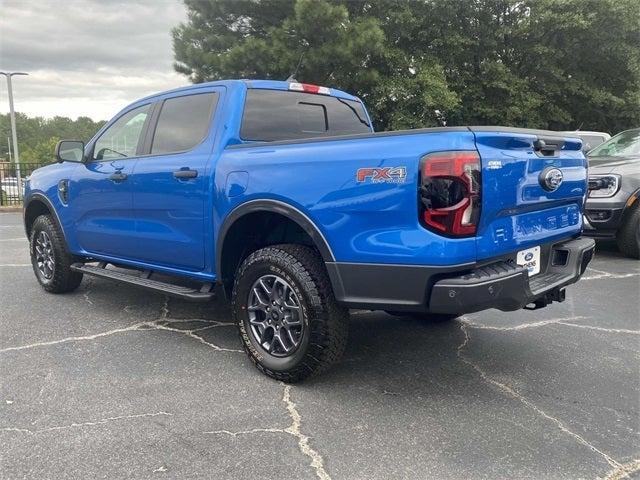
(121, 139)
(183, 123)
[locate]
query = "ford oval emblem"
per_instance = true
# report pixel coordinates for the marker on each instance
(550, 178)
(528, 257)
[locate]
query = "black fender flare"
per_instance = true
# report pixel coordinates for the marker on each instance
(44, 199)
(274, 206)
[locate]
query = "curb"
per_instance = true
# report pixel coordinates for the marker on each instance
(11, 209)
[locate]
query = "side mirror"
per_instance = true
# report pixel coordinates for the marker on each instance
(70, 151)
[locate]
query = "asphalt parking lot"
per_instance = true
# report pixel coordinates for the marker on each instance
(114, 382)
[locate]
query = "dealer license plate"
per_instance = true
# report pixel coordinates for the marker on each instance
(530, 259)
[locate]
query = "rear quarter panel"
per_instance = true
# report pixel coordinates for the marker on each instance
(362, 221)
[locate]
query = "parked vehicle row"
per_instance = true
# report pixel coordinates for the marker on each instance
(9, 187)
(590, 140)
(613, 206)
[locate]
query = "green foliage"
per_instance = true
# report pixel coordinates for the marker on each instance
(559, 64)
(37, 136)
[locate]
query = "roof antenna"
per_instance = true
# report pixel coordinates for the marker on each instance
(292, 77)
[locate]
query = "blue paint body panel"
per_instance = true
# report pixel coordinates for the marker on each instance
(155, 221)
(517, 213)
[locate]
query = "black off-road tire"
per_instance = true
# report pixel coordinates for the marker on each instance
(425, 317)
(628, 236)
(63, 279)
(325, 332)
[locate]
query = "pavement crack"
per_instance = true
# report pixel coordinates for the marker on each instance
(192, 334)
(566, 321)
(162, 323)
(317, 462)
(164, 310)
(83, 424)
(599, 274)
(247, 432)
(624, 471)
(513, 393)
(601, 329)
(75, 339)
(521, 326)
(88, 291)
(142, 326)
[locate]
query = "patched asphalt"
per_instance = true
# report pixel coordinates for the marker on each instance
(115, 382)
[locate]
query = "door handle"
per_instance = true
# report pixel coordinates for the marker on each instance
(185, 173)
(118, 177)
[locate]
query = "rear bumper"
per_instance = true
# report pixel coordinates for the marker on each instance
(506, 286)
(460, 289)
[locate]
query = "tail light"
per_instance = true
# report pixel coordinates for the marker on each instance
(450, 192)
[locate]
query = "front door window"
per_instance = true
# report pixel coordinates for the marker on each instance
(121, 139)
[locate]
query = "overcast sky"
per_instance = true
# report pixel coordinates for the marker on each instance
(86, 57)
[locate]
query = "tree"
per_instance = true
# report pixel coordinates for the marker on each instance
(559, 64)
(268, 39)
(37, 136)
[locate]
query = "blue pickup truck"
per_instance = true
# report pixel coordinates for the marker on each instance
(281, 196)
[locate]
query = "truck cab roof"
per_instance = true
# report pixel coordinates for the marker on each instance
(260, 84)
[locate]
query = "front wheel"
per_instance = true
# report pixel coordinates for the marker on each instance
(289, 321)
(628, 237)
(50, 258)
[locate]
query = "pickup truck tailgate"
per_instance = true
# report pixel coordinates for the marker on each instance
(525, 201)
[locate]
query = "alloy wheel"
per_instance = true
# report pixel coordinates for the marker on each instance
(275, 316)
(45, 259)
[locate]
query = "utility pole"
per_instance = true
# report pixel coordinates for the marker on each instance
(16, 156)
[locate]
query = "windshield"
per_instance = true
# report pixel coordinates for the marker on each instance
(624, 144)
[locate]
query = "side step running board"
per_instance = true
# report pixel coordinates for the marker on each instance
(186, 293)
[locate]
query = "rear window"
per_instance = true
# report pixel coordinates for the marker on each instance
(183, 123)
(271, 115)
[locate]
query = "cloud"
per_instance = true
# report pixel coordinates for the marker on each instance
(87, 57)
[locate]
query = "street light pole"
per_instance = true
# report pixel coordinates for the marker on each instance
(16, 156)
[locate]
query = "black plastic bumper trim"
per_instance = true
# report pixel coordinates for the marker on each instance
(508, 287)
(497, 284)
(378, 286)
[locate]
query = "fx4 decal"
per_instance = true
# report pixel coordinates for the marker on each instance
(382, 174)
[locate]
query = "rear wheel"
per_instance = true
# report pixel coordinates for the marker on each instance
(628, 236)
(50, 258)
(289, 321)
(426, 317)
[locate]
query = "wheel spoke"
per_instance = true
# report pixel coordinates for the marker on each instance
(290, 337)
(258, 296)
(260, 323)
(290, 321)
(291, 305)
(267, 290)
(281, 341)
(269, 346)
(278, 294)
